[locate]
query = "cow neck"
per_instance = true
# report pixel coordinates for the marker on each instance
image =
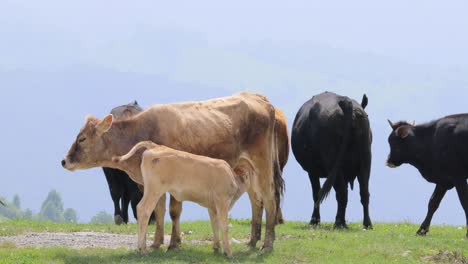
(123, 135)
(422, 153)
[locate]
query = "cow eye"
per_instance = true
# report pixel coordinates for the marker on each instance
(81, 139)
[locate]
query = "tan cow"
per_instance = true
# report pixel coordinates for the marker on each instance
(221, 128)
(188, 177)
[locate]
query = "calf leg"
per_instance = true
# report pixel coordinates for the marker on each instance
(175, 210)
(223, 225)
(315, 182)
(256, 224)
(341, 189)
(462, 190)
(215, 227)
(144, 209)
(434, 202)
(159, 212)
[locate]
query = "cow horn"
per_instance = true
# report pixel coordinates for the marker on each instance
(390, 123)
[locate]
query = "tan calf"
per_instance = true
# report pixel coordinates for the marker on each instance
(187, 177)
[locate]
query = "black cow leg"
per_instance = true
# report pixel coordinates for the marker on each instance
(133, 203)
(434, 202)
(341, 189)
(462, 190)
(315, 182)
(118, 219)
(363, 179)
(125, 203)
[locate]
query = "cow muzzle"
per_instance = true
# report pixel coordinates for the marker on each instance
(66, 164)
(391, 164)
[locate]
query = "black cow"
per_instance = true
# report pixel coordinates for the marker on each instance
(331, 138)
(439, 150)
(122, 189)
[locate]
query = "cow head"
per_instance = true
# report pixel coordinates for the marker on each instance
(401, 142)
(89, 148)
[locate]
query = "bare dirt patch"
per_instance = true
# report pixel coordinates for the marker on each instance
(77, 240)
(445, 256)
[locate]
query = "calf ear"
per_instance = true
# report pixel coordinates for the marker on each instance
(403, 132)
(105, 124)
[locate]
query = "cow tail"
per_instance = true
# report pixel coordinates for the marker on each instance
(277, 173)
(143, 144)
(347, 107)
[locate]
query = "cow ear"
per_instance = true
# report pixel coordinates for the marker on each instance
(105, 124)
(89, 118)
(403, 132)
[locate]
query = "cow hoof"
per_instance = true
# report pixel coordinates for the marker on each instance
(266, 249)
(422, 232)
(173, 247)
(367, 227)
(118, 220)
(156, 245)
(340, 226)
(228, 255)
(314, 221)
(144, 252)
(280, 221)
(252, 244)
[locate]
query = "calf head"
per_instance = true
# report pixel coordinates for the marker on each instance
(401, 142)
(89, 149)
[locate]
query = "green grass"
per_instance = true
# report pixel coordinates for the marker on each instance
(296, 243)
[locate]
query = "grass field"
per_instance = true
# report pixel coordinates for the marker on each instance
(296, 243)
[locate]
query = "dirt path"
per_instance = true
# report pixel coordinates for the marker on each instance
(77, 240)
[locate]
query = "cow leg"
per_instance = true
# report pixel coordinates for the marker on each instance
(434, 202)
(256, 225)
(133, 203)
(270, 208)
(223, 225)
(159, 212)
(125, 203)
(363, 178)
(175, 210)
(115, 190)
(118, 219)
(341, 189)
(215, 227)
(315, 182)
(144, 209)
(462, 190)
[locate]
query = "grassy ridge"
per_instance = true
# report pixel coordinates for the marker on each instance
(296, 243)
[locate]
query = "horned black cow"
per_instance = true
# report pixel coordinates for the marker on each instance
(122, 189)
(438, 149)
(331, 138)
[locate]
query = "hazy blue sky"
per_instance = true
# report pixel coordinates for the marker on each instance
(62, 60)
